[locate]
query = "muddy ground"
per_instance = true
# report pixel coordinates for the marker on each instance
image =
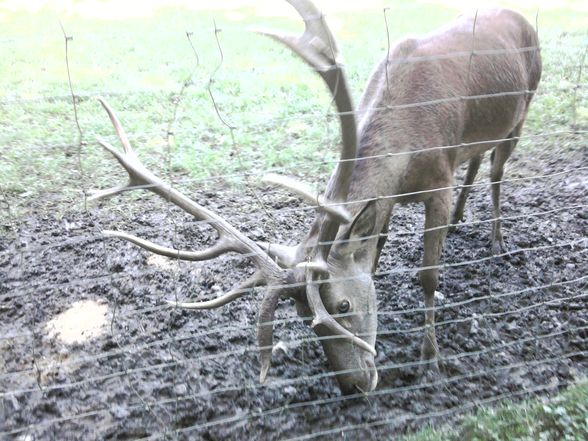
(158, 371)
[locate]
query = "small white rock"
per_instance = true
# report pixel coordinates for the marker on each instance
(290, 390)
(475, 326)
(280, 346)
(439, 296)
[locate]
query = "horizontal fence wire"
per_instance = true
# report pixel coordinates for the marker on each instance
(339, 429)
(309, 403)
(130, 360)
(270, 121)
(408, 60)
(403, 152)
(92, 238)
(184, 181)
(310, 207)
(254, 349)
(87, 239)
(292, 406)
(436, 414)
(249, 327)
(101, 278)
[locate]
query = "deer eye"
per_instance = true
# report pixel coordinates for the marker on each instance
(344, 306)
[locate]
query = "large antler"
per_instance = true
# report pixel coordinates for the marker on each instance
(230, 239)
(317, 47)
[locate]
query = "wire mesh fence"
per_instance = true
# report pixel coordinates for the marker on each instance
(509, 325)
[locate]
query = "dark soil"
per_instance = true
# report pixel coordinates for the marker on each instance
(522, 326)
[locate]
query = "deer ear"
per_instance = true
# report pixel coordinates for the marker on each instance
(359, 230)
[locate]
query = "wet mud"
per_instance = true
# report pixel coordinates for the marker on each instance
(507, 326)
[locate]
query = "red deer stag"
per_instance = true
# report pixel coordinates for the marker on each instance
(432, 103)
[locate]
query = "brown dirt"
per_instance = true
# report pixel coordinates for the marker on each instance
(157, 369)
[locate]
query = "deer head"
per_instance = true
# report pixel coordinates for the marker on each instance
(326, 275)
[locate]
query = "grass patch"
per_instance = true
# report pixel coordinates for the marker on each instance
(563, 417)
(278, 108)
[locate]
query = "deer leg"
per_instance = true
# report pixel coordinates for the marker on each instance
(473, 167)
(436, 215)
(499, 156)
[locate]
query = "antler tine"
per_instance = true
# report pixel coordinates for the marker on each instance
(124, 140)
(219, 248)
(125, 160)
(292, 286)
(305, 192)
(265, 329)
(283, 255)
(245, 287)
(318, 48)
(319, 41)
(323, 318)
(230, 239)
(316, 45)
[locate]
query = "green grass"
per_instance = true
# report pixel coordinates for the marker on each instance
(563, 417)
(276, 104)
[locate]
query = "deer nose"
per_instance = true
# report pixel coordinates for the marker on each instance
(363, 380)
(368, 378)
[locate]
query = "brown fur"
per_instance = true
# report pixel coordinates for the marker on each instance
(424, 102)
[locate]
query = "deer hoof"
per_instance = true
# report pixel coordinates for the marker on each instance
(429, 372)
(455, 220)
(429, 358)
(498, 247)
